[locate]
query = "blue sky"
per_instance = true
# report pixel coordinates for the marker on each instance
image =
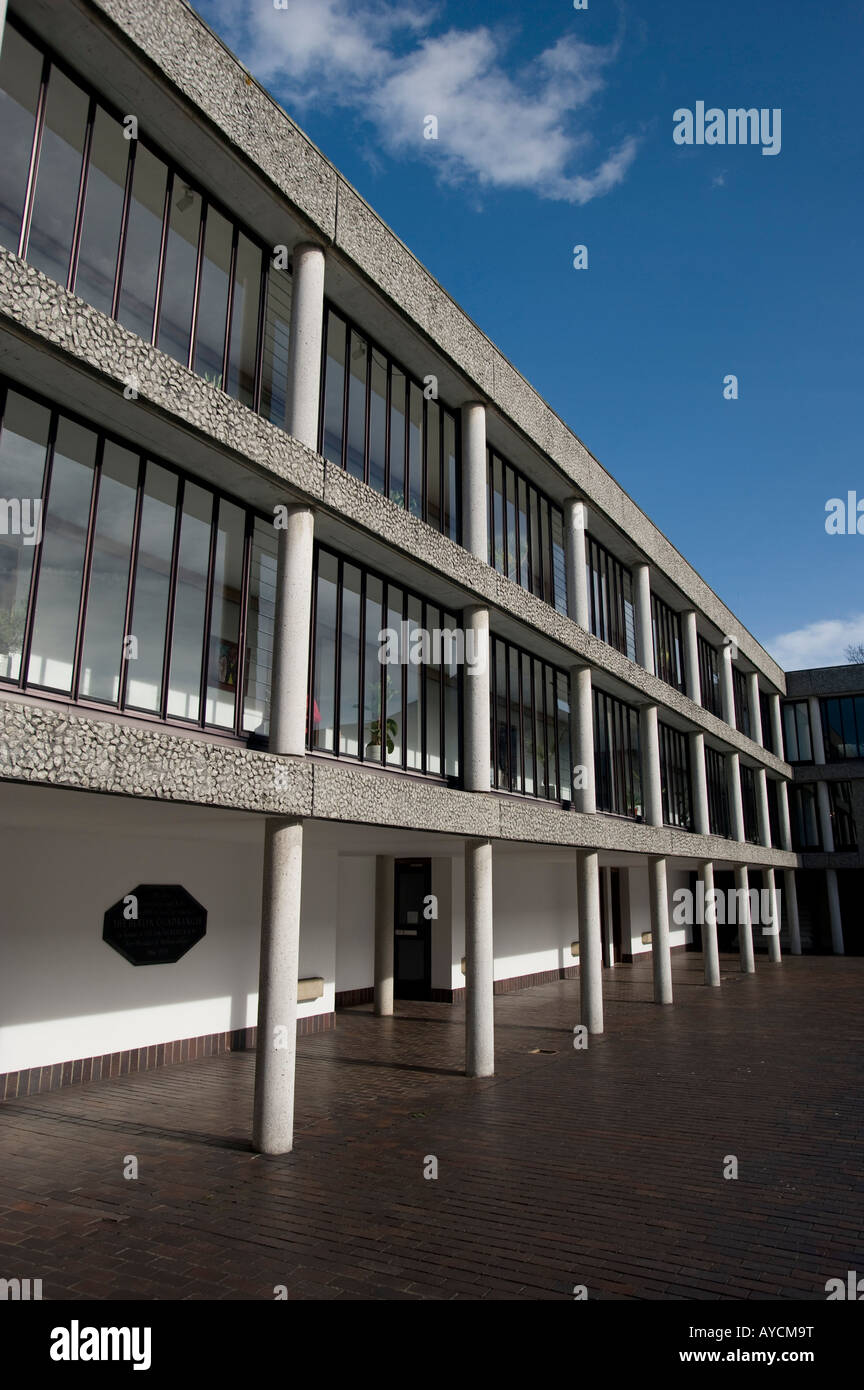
(555, 129)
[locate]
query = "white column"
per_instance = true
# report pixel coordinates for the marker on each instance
(823, 802)
(763, 813)
(837, 944)
(385, 874)
(290, 675)
(690, 642)
(776, 724)
(644, 630)
(745, 925)
(475, 492)
(273, 1112)
(710, 954)
(479, 960)
(791, 901)
(661, 956)
(582, 739)
(590, 940)
(304, 343)
(772, 932)
(727, 685)
(783, 806)
(756, 732)
(475, 686)
(736, 805)
(649, 735)
(575, 560)
(701, 817)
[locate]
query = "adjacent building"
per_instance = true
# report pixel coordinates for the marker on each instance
(249, 448)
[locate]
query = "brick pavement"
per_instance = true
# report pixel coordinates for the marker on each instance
(600, 1167)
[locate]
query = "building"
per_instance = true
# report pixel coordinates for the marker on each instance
(823, 720)
(244, 433)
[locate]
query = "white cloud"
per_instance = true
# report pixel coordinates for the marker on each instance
(498, 126)
(818, 644)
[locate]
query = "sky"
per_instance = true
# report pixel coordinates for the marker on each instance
(555, 129)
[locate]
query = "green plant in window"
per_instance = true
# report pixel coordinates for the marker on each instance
(391, 730)
(213, 379)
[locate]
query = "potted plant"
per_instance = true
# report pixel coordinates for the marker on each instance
(373, 747)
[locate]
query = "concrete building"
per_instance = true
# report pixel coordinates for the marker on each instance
(244, 434)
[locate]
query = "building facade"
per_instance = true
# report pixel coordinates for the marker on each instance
(313, 616)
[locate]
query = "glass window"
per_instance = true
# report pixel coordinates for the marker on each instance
(213, 299)
(324, 687)
(152, 585)
(243, 347)
(451, 701)
(433, 464)
(378, 421)
(395, 722)
(356, 452)
(433, 694)
(528, 740)
(415, 451)
(617, 757)
(451, 486)
(61, 567)
(565, 766)
(103, 214)
(143, 245)
(23, 442)
(52, 223)
(522, 493)
(397, 436)
(190, 604)
(510, 501)
(225, 656)
(498, 552)
(413, 692)
(181, 261)
(372, 670)
(334, 389)
(20, 81)
(559, 567)
(349, 680)
(274, 367)
(260, 612)
(108, 583)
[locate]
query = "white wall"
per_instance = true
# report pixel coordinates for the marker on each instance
(64, 993)
(534, 909)
(355, 939)
(640, 907)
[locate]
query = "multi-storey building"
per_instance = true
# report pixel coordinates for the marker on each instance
(244, 433)
(823, 728)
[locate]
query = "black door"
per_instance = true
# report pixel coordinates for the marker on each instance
(412, 973)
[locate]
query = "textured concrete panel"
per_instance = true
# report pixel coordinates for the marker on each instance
(351, 793)
(830, 680)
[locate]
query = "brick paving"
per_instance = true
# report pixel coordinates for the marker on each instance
(601, 1167)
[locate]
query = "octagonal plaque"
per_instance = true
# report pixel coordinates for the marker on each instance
(155, 924)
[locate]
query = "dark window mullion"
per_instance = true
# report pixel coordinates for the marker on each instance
(199, 270)
(47, 474)
(172, 598)
(82, 194)
(263, 283)
(163, 245)
(244, 617)
(130, 586)
(87, 566)
(35, 153)
(232, 271)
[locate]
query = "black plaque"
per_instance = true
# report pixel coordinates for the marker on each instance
(167, 924)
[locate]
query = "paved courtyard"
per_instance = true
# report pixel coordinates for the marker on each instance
(601, 1168)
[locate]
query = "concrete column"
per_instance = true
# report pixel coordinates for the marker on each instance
(582, 738)
(701, 817)
(273, 1112)
(304, 343)
(644, 627)
(575, 560)
(772, 933)
(762, 810)
(791, 900)
(783, 807)
(290, 675)
(590, 940)
(710, 954)
(727, 685)
(479, 960)
(756, 731)
(776, 724)
(649, 737)
(385, 875)
(745, 925)
(823, 802)
(477, 750)
(2, 22)
(689, 641)
(816, 737)
(736, 804)
(475, 491)
(837, 944)
(661, 956)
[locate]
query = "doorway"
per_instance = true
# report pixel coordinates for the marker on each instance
(412, 952)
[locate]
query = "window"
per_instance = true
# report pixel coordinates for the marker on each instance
(617, 757)
(765, 707)
(675, 778)
(402, 711)
(842, 815)
(709, 677)
(804, 816)
(20, 86)
(843, 728)
(377, 424)
(716, 777)
(796, 731)
(530, 708)
(610, 600)
(742, 701)
(748, 801)
(668, 651)
(526, 533)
